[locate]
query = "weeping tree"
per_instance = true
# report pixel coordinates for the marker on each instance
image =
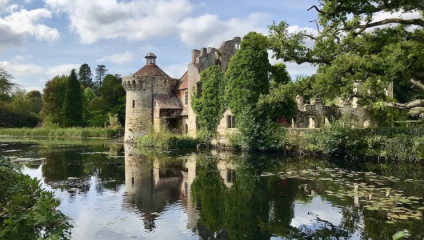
(6, 83)
(376, 42)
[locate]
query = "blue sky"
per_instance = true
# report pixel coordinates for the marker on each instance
(43, 38)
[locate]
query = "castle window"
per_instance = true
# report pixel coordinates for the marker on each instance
(231, 122)
(133, 104)
(186, 97)
(231, 175)
(237, 46)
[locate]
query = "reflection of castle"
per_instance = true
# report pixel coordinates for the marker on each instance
(148, 189)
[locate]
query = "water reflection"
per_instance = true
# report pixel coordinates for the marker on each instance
(156, 195)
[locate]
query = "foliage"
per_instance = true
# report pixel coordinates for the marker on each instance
(52, 100)
(101, 71)
(166, 140)
(279, 102)
(72, 105)
(247, 74)
(6, 83)
(113, 96)
(59, 132)
(28, 211)
(85, 77)
(279, 74)
(210, 105)
(351, 45)
(114, 122)
(247, 79)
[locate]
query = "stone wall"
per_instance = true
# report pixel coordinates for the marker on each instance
(317, 115)
(139, 108)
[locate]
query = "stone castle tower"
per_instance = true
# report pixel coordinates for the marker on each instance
(141, 88)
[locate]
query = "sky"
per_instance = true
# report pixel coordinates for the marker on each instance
(40, 39)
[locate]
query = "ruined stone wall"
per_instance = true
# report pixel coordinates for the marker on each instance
(227, 50)
(317, 115)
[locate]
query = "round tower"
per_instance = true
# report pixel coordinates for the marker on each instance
(141, 87)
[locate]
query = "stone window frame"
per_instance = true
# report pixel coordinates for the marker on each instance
(133, 103)
(186, 97)
(231, 122)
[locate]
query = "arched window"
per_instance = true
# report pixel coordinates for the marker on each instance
(133, 104)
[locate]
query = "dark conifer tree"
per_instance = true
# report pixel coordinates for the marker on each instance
(85, 76)
(72, 106)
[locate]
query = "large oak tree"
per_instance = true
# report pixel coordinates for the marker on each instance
(375, 42)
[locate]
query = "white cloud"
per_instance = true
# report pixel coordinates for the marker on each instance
(26, 22)
(20, 57)
(63, 69)
(143, 19)
(404, 15)
(210, 30)
(119, 58)
(21, 69)
(293, 68)
(134, 20)
(176, 70)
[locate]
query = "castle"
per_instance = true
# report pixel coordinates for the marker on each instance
(154, 98)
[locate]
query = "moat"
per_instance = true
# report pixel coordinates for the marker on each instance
(113, 191)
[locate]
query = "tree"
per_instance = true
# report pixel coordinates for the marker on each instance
(52, 100)
(352, 43)
(210, 106)
(85, 76)
(100, 74)
(34, 100)
(247, 79)
(114, 96)
(6, 84)
(279, 74)
(247, 74)
(72, 105)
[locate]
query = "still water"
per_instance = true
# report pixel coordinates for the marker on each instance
(112, 191)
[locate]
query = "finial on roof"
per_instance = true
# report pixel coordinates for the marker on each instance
(150, 58)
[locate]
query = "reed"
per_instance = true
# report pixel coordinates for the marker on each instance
(58, 132)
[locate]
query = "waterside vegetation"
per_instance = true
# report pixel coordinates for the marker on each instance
(59, 132)
(28, 211)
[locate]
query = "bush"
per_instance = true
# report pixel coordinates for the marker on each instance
(165, 140)
(28, 211)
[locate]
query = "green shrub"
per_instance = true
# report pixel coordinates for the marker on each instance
(27, 211)
(166, 140)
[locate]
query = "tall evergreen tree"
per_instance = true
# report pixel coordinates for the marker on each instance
(101, 71)
(72, 106)
(85, 76)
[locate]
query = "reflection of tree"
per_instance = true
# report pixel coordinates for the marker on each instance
(59, 165)
(211, 191)
(64, 162)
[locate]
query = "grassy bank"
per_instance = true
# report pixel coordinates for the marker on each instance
(58, 132)
(165, 140)
(400, 144)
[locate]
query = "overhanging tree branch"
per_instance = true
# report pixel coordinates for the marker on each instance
(417, 83)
